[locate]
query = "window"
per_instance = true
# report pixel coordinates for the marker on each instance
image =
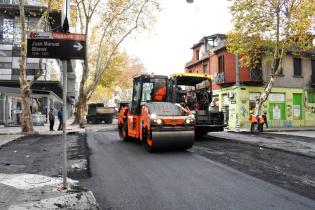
(205, 68)
(297, 64)
(15, 71)
(281, 71)
(5, 65)
(147, 92)
(311, 96)
(135, 98)
(221, 63)
(197, 54)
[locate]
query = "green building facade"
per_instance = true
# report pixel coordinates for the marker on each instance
(285, 107)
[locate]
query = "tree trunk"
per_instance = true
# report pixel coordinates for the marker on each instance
(80, 107)
(276, 68)
(26, 117)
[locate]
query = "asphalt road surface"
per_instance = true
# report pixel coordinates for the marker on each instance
(124, 176)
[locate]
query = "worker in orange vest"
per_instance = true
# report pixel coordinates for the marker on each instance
(253, 120)
(261, 123)
(160, 92)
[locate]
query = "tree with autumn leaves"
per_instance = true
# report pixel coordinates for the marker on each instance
(117, 80)
(25, 85)
(270, 29)
(106, 25)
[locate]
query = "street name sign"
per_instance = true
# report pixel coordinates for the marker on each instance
(64, 46)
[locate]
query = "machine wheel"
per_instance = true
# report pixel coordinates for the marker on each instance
(123, 132)
(146, 141)
(199, 132)
(110, 121)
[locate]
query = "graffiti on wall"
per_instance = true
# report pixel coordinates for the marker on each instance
(244, 111)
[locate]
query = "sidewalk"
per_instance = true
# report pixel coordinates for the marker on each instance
(8, 134)
(44, 130)
(33, 191)
(295, 140)
(20, 189)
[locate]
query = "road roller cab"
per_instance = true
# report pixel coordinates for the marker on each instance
(154, 118)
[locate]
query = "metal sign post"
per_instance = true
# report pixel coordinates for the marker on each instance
(63, 46)
(64, 110)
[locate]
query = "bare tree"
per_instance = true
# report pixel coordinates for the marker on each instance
(106, 25)
(25, 85)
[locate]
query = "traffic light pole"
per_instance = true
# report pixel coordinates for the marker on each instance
(64, 95)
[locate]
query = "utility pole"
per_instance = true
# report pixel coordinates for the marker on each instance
(237, 84)
(237, 71)
(64, 127)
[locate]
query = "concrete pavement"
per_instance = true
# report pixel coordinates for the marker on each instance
(29, 181)
(33, 191)
(8, 134)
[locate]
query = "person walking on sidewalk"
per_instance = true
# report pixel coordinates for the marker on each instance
(60, 118)
(51, 116)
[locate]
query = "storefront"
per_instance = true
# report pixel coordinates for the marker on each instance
(41, 100)
(285, 107)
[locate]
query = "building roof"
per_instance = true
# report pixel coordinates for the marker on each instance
(190, 63)
(38, 85)
(213, 36)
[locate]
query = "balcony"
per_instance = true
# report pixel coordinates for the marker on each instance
(219, 78)
(27, 2)
(255, 75)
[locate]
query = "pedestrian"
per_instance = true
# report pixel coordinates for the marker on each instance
(60, 118)
(51, 116)
(264, 116)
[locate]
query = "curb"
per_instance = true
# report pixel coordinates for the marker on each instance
(271, 133)
(36, 133)
(264, 146)
(276, 130)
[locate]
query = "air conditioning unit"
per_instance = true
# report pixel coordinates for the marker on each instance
(231, 94)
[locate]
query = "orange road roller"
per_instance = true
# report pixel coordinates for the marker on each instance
(153, 116)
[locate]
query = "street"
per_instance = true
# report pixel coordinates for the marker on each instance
(124, 176)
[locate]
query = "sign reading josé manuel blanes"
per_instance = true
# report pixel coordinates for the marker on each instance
(59, 45)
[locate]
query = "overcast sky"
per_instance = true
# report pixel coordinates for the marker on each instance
(167, 48)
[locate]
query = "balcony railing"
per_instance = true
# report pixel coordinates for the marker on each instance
(219, 78)
(27, 2)
(256, 74)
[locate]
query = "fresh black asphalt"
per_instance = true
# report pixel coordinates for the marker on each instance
(124, 176)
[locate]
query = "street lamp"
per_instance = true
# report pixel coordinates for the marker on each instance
(190, 1)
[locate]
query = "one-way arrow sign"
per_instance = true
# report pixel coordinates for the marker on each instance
(78, 46)
(64, 46)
